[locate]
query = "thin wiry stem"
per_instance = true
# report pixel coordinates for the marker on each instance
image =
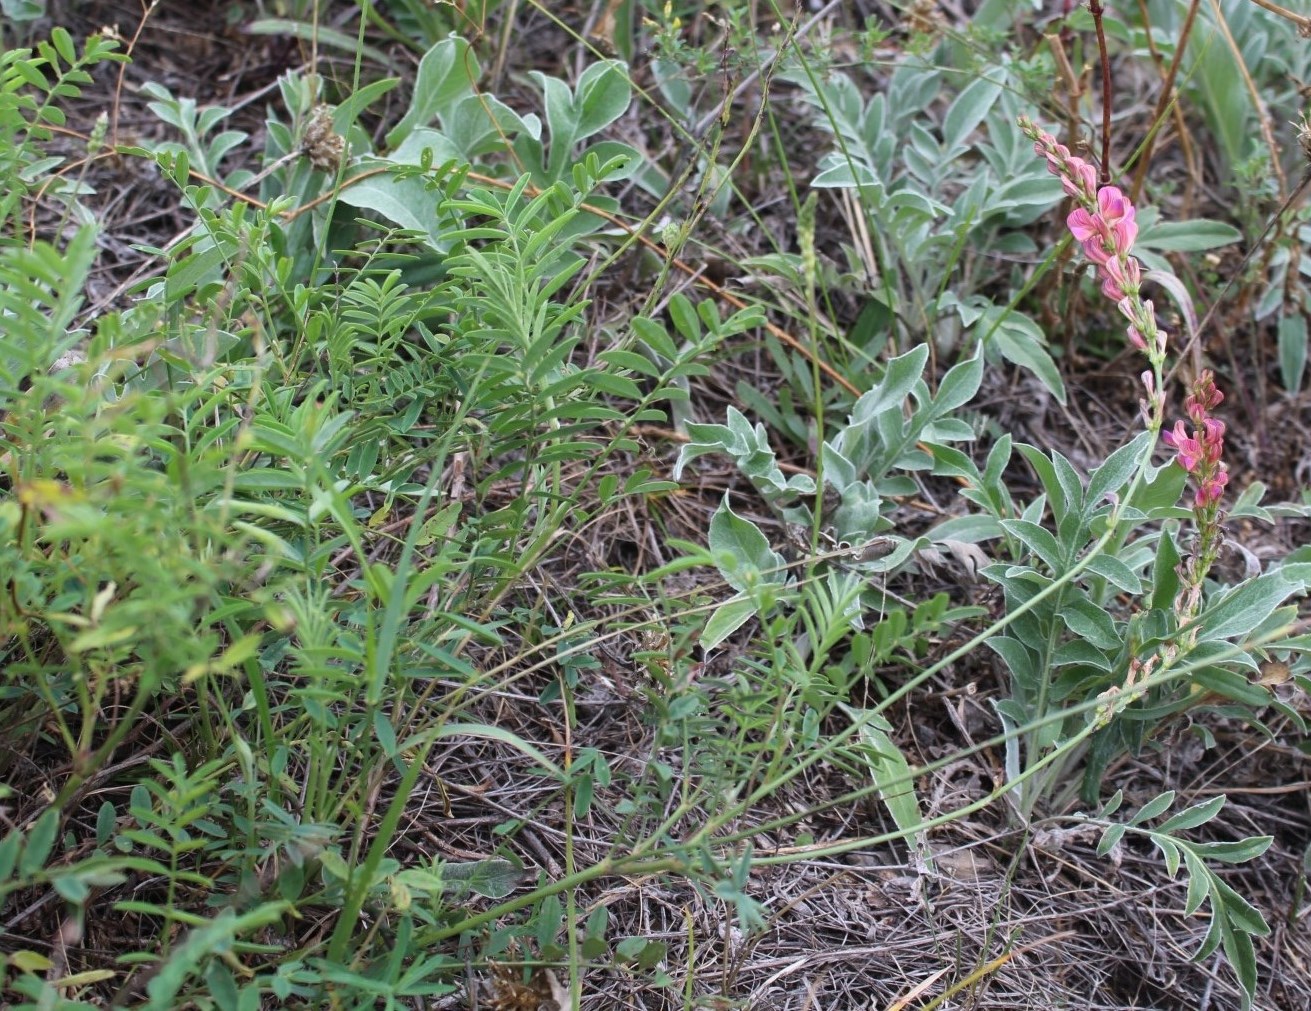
(1165, 101)
(1238, 271)
(1301, 20)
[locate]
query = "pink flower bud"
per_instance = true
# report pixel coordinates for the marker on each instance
(1085, 176)
(1204, 396)
(1211, 490)
(1122, 278)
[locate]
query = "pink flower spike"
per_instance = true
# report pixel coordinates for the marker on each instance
(1201, 453)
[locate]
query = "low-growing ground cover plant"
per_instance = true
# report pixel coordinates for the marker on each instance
(386, 618)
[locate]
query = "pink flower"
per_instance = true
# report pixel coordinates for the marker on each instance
(1083, 226)
(1189, 449)
(1116, 210)
(1099, 251)
(1109, 231)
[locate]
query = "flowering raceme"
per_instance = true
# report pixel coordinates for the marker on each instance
(1200, 453)
(1104, 225)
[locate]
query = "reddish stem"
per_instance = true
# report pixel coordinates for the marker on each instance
(1096, 10)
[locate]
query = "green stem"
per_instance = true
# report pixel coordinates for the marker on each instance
(361, 878)
(571, 895)
(603, 868)
(82, 771)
